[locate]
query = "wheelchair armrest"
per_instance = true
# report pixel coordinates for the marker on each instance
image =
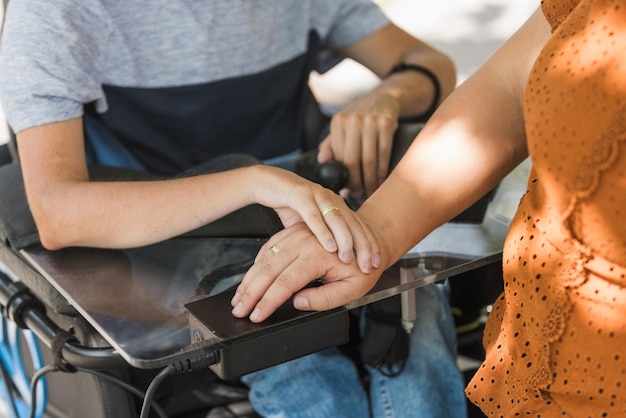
(17, 227)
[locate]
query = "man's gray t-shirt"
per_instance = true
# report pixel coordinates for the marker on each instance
(177, 81)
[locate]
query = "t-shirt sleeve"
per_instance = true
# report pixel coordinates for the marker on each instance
(48, 61)
(343, 22)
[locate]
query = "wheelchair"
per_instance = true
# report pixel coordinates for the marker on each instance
(43, 332)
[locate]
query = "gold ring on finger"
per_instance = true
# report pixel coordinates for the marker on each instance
(275, 249)
(328, 209)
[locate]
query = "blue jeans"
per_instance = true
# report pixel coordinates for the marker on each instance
(326, 384)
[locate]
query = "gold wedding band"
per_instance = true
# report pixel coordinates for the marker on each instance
(275, 249)
(328, 209)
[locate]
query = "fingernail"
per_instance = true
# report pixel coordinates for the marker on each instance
(237, 309)
(366, 267)
(346, 257)
(376, 261)
(235, 299)
(255, 315)
(301, 303)
(331, 245)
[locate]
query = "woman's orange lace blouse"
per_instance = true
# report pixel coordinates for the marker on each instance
(556, 338)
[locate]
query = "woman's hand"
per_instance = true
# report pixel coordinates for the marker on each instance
(289, 261)
(334, 224)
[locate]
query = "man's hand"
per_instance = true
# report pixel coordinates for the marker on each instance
(325, 213)
(361, 137)
(289, 261)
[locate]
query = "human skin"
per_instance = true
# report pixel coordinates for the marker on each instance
(151, 211)
(361, 135)
(474, 139)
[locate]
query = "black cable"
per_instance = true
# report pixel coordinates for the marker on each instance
(200, 361)
(33, 385)
(130, 388)
(147, 400)
(109, 378)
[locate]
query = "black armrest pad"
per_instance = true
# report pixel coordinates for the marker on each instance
(17, 226)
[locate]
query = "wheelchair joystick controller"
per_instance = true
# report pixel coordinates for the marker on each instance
(332, 175)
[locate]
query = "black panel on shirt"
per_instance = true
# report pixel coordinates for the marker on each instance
(172, 129)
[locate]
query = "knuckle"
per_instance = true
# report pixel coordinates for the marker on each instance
(354, 119)
(370, 120)
(385, 146)
(387, 122)
(369, 159)
(266, 269)
(305, 190)
(261, 261)
(326, 300)
(351, 162)
(339, 118)
(285, 281)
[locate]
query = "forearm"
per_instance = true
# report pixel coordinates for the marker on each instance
(413, 92)
(128, 214)
(443, 173)
(467, 147)
(474, 139)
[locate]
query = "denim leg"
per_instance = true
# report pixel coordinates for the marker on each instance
(321, 385)
(326, 384)
(431, 385)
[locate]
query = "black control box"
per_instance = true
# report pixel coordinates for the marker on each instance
(244, 347)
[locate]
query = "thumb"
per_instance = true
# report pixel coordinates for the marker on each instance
(327, 296)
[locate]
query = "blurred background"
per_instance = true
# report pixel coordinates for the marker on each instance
(469, 31)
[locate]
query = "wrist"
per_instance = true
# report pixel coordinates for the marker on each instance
(252, 181)
(403, 67)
